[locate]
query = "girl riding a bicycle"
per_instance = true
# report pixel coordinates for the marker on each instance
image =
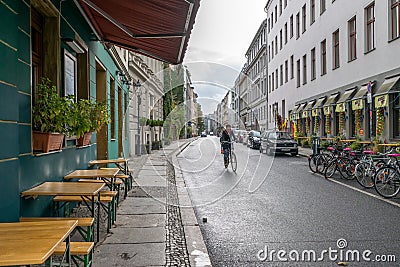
(227, 137)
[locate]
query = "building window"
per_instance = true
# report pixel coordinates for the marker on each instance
(269, 83)
(280, 40)
(285, 3)
(281, 75)
(312, 11)
(352, 39)
(276, 79)
(272, 20)
(395, 18)
(276, 45)
(272, 46)
(305, 69)
(298, 73)
(286, 71)
(370, 27)
(322, 6)
(280, 7)
(323, 57)
(335, 46)
(273, 82)
(269, 53)
(313, 71)
(286, 33)
(298, 26)
(304, 15)
(291, 27)
(269, 25)
(112, 109)
(276, 14)
(292, 67)
(70, 75)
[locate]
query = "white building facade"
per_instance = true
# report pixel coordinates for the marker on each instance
(324, 56)
(256, 72)
(149, 73)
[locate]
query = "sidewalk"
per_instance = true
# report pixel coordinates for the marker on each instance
(305, 152)
(151, 229)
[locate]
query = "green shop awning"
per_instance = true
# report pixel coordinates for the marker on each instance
(390, 85)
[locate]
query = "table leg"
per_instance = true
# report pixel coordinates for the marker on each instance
(68, 250)
(98, 216)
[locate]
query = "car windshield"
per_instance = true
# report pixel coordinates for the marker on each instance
(256, 134)
(280, 136)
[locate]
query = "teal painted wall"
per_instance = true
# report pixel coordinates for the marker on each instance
(19, 168)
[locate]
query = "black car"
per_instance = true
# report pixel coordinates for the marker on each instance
(278, 142)
(254, 139)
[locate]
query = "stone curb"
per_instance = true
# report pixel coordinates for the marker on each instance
(197, 249)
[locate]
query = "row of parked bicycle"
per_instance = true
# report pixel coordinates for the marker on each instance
(380, 171)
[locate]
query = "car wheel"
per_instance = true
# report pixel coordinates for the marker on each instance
(294, 154)
(261, 150)
(269, 151)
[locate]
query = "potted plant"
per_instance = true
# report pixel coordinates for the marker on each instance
(51, 115)
(89, 117)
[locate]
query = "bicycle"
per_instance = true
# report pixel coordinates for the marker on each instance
(369, 164)
(387, 178)
(231, 157)
(342, 163)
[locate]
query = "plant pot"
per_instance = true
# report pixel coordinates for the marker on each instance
(85, 139)
(46, 142)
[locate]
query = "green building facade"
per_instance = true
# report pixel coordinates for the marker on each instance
(49, 38)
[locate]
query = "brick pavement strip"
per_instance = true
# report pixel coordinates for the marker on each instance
(176, 248)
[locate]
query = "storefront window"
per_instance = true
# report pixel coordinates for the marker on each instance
(396, 116)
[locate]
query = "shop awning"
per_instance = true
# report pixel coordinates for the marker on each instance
(361, 93)
(320, 102)
(390, 85)
(310, 105)
(300, 108)
(346, 95)
(331, 100)
(158, 29)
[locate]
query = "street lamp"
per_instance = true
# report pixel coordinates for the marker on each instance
(138, 85)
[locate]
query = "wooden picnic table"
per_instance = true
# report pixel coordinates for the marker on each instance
(107, 175)
(28, 243)
(84, 190)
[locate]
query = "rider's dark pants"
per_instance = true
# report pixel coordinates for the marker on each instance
(226, 148)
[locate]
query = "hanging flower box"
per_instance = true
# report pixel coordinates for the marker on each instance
(46, 142)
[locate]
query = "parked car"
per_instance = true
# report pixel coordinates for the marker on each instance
(254, 140)
(239, 136)
(203, 134)
(245, 137)
(278, 142)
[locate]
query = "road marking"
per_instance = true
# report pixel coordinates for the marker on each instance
(361, 191)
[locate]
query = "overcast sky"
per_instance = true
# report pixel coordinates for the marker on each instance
(220, 38)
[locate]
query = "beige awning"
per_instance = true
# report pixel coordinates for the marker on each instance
(332, 99)
(346, 95)
(320, 102)
(361, 93)
(390, 85)
(310, 105)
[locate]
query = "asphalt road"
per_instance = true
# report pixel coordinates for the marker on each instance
(275, 203)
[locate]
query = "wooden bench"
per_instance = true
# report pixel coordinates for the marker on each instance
(127, 177)
(78, 249)
(106, 202)
(118, 184)
(82, 224)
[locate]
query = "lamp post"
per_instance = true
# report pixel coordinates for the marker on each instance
(138, 92)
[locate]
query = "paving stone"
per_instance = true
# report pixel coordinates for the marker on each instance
(129, 255)
(136, 235)
(142, 220)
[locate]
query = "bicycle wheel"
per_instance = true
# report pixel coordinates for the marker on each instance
(387, 181)
(346, 168)
(322, 162)
(364, 174)
(233, 161)
(312, 163)
(330, 169)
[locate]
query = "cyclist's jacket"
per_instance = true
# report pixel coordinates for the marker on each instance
(227, 138)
